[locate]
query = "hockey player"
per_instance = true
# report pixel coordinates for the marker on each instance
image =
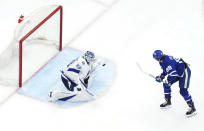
(176, 70)
(76, 77)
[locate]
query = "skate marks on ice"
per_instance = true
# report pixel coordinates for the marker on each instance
(6, 92)
(96, 10)
(49, 79)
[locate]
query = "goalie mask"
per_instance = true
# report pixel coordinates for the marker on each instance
(89, 56)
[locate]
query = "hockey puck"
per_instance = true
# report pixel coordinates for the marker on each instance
(103, 64)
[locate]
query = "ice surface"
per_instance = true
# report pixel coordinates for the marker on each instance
(126, 34)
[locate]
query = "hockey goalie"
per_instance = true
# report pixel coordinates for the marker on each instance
(76, 77)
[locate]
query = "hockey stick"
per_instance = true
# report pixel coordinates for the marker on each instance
(138, 65)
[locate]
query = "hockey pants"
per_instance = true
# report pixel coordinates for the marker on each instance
(183, 85)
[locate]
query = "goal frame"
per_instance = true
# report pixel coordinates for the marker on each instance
(59, 8)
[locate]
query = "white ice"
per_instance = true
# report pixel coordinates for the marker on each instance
(128, 33)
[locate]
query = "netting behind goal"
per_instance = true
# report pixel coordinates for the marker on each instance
(36, 40)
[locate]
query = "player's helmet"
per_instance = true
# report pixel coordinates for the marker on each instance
(158, 54)
(89, 56)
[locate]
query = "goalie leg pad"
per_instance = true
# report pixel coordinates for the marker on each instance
(61, 95)
(67, 98)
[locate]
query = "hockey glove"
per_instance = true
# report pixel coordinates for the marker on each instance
(158, 79)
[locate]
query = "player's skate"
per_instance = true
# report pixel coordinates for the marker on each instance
(166, 104)
(191, 111)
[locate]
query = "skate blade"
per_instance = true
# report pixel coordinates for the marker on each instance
(166, 108)
(191, 115)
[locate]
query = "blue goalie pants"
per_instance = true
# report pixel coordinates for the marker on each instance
(69, 84)
(183, 85)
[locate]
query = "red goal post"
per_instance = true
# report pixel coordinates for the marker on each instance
(58, 9)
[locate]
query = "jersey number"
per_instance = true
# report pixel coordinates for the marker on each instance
(168, 68)
(78, 66)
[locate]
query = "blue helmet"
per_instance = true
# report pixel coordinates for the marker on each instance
(89, 56)
(158, 54)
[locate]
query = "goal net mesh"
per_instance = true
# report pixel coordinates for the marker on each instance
(40, 36)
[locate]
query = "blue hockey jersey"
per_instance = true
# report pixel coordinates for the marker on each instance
(172, 67)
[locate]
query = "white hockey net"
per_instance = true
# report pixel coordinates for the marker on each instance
(40, 34)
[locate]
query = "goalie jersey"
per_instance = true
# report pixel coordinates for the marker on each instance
(77, 70)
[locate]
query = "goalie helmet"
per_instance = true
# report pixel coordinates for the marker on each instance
(89, 56)
(158, 54)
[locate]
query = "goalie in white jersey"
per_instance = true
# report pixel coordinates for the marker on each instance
(76, 77)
